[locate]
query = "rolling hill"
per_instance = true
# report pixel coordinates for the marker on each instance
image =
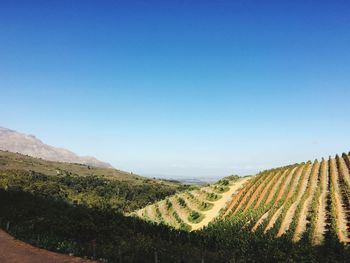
(193, 209)
(296, 213)
(303, 201)
(79, 183)
(309, 201)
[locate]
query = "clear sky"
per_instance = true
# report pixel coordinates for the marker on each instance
(179, 88)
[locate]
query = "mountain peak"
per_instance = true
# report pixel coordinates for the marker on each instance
(13, 141)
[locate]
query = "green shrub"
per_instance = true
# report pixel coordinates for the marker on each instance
(213, 196)
(182, 202)
(204, 206)
(195, 217)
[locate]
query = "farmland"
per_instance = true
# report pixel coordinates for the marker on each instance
(298, 212)
(302, 201)
(193, 209)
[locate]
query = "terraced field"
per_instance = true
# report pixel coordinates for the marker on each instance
(192, 210)
(309, 201)
(302, 201)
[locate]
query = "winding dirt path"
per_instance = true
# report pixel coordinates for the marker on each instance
(15, 251)
(219, 204)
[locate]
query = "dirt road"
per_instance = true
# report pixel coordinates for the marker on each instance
(214, 212)
(15, 251)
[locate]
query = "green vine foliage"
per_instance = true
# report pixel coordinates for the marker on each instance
(65, 214)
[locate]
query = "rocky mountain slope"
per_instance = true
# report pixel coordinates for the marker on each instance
(14, 141)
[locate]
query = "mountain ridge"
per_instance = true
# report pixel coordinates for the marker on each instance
(28, 144)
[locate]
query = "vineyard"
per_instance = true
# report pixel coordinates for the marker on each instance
(296, 213)
(193, 209)
(308, 201)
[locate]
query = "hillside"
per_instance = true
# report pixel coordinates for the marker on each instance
(296, 213)
(84, 184)
(308, 201)
(193, 209)
(16, 161)
(16, 142)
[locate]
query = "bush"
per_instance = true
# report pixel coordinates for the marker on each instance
(195, 217)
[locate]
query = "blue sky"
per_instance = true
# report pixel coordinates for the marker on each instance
(179, 88)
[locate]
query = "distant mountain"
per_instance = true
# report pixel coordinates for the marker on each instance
(14, 141)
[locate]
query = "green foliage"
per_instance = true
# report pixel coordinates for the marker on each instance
(91, 191)
(224, 182)
(195, 217)
(213, 197)
(310, 231)
(15, 161)
(183, 225)
(250, 184)
(231, 178)
(334, 216)
(169, 205)
(204, 206)
(127, 239)
(182, 202)
(158, 213)
(221, 189)
(66, 212)
(286, 203)
(190, 195)
(305, 195)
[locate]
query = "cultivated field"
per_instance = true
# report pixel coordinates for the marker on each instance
(308, 200)
(301, 201)
(192, 210)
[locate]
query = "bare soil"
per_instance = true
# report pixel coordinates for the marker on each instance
(219, 204)
(321, 212)
(257, 191)
(15, 251)
(301, 227)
